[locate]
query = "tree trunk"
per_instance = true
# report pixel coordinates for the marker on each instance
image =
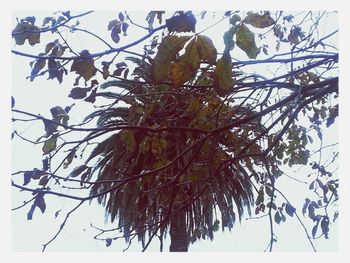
(178, 233)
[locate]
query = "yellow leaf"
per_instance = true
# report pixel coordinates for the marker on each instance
(245, 40)
(84, 67)
(223, 81)
(49, 145)
(206, 49)
(186, 66)
(167, 51)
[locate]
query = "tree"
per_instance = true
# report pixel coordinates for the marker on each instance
(184, 137)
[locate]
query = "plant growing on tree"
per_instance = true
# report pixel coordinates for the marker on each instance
(185, 139)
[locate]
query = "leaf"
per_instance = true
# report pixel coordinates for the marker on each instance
(278, 217)
(234, 19)
(57, 213)
(185, 22)
(333, 113)
(69, 159)
(84, 66)
(167, 51)
(50, 127)
(68, 108)
(295, 35)
(66, 14)
(108, 242)
(78, 93)
(268, 191)
(125, 28)
(78, 170)
(112, 24)
(325, 226)
(38, 65)
(49, 145)
(259, 21)
(290, 209)
(121, 16)
(47, 20)
(260, 198)
(40, 202)
(57, 111)
(245, 40)
(206, 49)
(92, 97)
(27, 176)
(55, 70)
(223, 82)
(59, 115)
(228, 39)
(115, 34)
(46, 164)
(272, 205)
(150, 19)
(31, 211)
(314, 230)
(23, 32)
(44, 180)
(37, 174)
(13, 102)
(186, 66)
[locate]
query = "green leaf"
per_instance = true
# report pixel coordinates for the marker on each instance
(245, 40)
(167, 51)
(259, 21)
(49, 145)
(206, 49)
(84, 66)
(186, 66)
(223, 82)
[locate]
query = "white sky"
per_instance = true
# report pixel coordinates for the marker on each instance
(243, 237)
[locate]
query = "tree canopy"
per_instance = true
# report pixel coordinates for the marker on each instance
(190, 130)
